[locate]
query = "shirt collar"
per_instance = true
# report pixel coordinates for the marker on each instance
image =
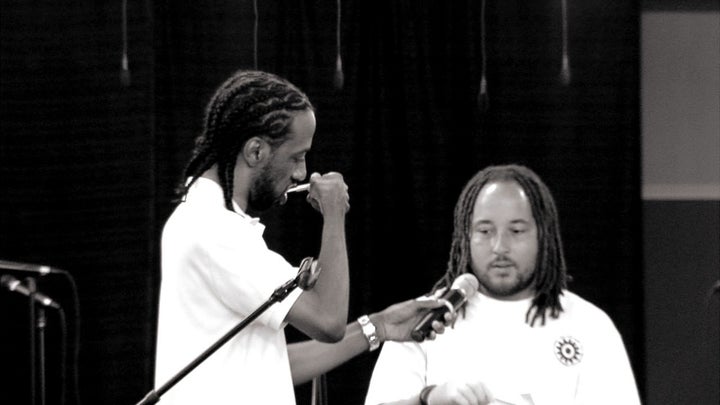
(211, 192)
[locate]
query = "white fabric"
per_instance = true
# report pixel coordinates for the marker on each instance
(216, 270)
(519, 364)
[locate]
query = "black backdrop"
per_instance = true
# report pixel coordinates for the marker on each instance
(88, 165)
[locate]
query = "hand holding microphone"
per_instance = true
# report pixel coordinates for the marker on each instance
(396, 322)
(464, 287)
(327, 193)
(411, 320)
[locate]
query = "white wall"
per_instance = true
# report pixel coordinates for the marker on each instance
(680, 104)
(680, 121)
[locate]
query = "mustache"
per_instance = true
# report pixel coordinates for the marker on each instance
(502, 261)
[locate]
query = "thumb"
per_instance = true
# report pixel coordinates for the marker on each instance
(427, 301)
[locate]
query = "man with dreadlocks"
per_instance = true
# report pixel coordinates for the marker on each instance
(217, 269)
(523, 338)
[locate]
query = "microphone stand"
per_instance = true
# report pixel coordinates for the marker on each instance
(37, 321)
(37, 345)
(307, 275)
(41, 323)
(33, 348)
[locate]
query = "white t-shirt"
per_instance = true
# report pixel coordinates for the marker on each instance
(578, 358)
(216, 270)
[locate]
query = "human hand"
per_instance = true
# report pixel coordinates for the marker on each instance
(397, 321)
(328, 193)
(460, 393)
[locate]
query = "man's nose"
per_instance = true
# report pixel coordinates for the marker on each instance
(499, 243)
(300, 172)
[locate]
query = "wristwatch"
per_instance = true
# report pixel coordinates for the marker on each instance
(368, 329)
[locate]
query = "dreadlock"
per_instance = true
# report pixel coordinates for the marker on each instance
(550, 275)
(250, 103)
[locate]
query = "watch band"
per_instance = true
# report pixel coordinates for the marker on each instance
(368, 329)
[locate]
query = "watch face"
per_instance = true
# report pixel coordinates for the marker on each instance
(368, 329)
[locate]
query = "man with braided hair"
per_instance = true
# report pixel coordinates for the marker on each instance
(523, 338)
(217, 269)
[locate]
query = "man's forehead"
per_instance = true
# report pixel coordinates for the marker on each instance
(501, 189)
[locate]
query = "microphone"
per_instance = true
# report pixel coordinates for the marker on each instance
(13, 284)
(300, 187)
(464, 287)
(29, 267)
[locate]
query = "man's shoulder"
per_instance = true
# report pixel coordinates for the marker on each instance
(203, 224)
(575, 305)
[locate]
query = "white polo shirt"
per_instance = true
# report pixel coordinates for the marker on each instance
(216, 270)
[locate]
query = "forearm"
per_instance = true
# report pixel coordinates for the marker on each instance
(410, 401)
(321, 311)
(332, 287)
(311, 358)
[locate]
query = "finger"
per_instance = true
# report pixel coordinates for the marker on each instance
(465, 395)
(481, 392)
(438, 327)
(488, 394)
(335, 178)
(450, 318)
(427, 301)
(313, 203)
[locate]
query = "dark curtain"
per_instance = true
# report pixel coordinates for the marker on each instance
(88, 166)
(77, 191)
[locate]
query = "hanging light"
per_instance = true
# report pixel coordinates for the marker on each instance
(565, 75)
(124, 65)
(482, 99)
(255, 35)
(339, 77)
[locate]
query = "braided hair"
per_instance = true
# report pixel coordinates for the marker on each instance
(250, 103)
(550, 275)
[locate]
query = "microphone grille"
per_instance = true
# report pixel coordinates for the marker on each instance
(466, 282)
(7, 281)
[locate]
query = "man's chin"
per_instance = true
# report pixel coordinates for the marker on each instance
(258, 209)
(503, 288)
(513, 293)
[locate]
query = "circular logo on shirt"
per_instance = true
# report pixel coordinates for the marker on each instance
(568, 350)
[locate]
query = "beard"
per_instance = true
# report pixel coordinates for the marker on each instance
(262, 195)
(507, 286)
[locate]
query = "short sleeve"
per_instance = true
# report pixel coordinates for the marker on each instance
(399, 373)
(243, 272)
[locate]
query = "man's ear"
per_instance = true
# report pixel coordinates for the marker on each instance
(255, 151)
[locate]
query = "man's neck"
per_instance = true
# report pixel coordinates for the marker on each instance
(239, 188)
